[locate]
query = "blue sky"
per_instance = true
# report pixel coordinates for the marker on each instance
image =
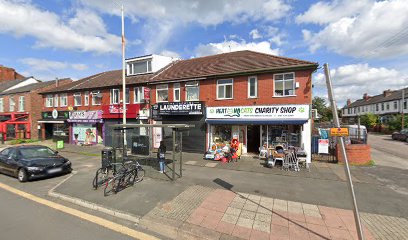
(365, 42)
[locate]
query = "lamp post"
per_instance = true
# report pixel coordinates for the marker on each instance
(123, 80)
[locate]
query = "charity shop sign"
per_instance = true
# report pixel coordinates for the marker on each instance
(298, 112)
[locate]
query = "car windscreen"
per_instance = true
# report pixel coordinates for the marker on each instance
(36, 152)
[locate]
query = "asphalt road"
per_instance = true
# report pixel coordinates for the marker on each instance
(394, 150)
(24, 219)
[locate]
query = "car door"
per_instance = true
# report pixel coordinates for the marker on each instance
(11, 165)
(3, 159)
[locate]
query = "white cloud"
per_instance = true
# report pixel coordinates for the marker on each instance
(169, 53)
(365, 29)
(84, 32)
(231, 46)
(45, 69)
(255, 34)
(79, 66)
(348, 81)
(43, 64)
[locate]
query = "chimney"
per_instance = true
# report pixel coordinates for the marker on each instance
(366, 97)
(387, 93)
(56, 82)
(348, 102)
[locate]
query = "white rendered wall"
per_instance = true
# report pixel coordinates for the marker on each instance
(307, 140)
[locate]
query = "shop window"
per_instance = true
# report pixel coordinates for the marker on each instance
(225, 89)
(49, 101)
(192, 91)
(176, 89)
(21, 104)
(96, 97)
(114, 96)
(12, 103)
(284, 84)
(86, 98)
(127, 95)
(1, 105)
(77, 99)
(63, 100)
(252, 87)
(162, 93)
(139, 94)
(221, 134)
(56, 100)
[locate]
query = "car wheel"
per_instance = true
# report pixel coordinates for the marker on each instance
(393, 137)
(22, 175)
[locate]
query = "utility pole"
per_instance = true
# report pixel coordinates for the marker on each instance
(123, 80)
(402, 109)
(343, 151)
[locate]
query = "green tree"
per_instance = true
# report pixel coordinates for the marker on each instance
(395, 124)
(324, 111)
(369, 120)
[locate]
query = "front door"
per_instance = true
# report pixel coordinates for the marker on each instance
(253, 135)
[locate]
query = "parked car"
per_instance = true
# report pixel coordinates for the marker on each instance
(401, 135)
(353, 134)
(29, 162)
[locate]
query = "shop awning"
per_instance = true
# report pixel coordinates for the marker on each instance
(256, 121)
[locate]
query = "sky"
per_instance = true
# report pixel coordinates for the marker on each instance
(365, 42)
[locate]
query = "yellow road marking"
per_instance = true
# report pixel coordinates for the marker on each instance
(88, 217)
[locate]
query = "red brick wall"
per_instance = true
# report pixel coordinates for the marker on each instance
(359, 154)
(9, 74)
(208, 91)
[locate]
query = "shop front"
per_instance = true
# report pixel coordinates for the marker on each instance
(86, 127)
(191, 112)
(54, 125)
(254, 126)
(113, 114)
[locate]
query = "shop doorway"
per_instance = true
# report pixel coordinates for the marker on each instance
(253, 135)
(48, 130)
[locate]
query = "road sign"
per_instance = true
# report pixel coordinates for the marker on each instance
(339, 132)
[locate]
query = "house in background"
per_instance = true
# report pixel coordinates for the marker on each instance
(386, 105)
(9, 74)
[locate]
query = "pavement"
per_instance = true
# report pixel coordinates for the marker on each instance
(243, 200)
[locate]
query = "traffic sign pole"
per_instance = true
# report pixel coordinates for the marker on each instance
(343, 151)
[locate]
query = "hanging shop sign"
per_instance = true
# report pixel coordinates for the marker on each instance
(146, 93)
(55, 115)
(85, 116)
(180, 108)
(299, 112)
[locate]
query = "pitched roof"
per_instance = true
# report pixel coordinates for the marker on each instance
(394, 95)
(228, 64)
(101, 80)
(4, 85)
(30, 87)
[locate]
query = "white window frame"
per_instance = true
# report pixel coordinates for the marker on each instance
(56, 100)
(63, 100)
(127, 96)
(21, 103)
(95, 95)
(12, 104)
(192, 84)
(114, 92)
(75, 102)
(249, 87)
(1, 105)
(283, 81)
(224, 85)
(162, 87)
(131, 69)
(86, 98)
(138, 94)
(49, 100)
(176, 92)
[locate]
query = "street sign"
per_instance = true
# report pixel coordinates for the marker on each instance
(60, 144)
(339, 132)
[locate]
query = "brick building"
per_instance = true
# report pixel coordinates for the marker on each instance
(8, 74)
(20, 110)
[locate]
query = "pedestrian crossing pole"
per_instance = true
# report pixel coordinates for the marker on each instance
(343, 151)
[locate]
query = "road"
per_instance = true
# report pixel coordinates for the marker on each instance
(24, 219)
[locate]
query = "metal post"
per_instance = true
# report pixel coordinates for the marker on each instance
(181, 153)
(174, 155)
(343, 151)
(402, 109)
(123, 79)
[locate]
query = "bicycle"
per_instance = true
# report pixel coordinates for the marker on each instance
(102, 175)
(130, 173)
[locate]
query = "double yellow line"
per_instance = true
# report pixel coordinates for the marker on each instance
(88, 217)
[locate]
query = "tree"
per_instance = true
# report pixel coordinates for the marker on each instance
(322, 108)
(369, 120)
(395, 123)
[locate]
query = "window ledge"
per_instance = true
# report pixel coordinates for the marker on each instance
(223, 99)
(253, 97)
(284, 96)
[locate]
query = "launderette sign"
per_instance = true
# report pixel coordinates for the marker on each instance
(298, 112)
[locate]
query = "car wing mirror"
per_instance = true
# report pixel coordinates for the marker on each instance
(56, 152)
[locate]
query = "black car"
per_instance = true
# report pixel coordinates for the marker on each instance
(28, 162)
(401, 135)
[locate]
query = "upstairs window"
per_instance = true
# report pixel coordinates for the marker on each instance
(12, 103)
(139, 67)
(114, 96)
(382, 106)
(192, 91)
(162, 93)
(86, 98)
(284, 84)
(377, 107)
(395, 105)
(96, 97)
(77, 99)
(63, 100)
(49, 101)
(176, 89)
(1, 105)
(139, 94)
(252, 87)
(388, 106)
(21, 104)
(56, 100)
(127, 96)
(225, 89)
